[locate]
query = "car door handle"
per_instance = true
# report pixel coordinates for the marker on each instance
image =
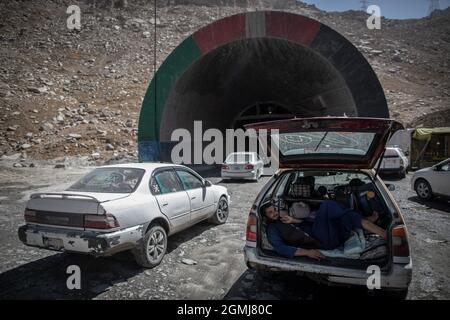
(165, 204)
(193, 198)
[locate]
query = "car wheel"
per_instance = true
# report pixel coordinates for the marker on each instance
(423, 189)
(152, 247)
(402, 174)
(221, 214)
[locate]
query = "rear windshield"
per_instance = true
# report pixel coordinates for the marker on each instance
(325, 142)
(239, 158)
(391, 153)
(109, 180)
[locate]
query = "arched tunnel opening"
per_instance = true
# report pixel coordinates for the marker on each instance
(256, 67)
(260, 72)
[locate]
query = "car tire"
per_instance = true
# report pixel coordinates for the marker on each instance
(221, 214)
(402, 174)
(152, 247)
(423, 189)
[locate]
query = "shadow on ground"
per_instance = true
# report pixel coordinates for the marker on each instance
(437, 203)
(291, 286)
(46, 278)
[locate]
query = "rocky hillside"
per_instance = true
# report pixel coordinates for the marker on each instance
(78, 93)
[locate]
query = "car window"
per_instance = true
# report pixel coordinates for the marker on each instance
(281, 186)
(445, 167)
(239, 158)
(391, 153)
(109, 180)
(188, 180)
(165, 182)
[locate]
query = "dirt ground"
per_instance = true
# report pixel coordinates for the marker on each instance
(219, 272)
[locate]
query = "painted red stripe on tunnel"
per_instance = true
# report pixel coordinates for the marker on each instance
(220, 32)
(292, 27)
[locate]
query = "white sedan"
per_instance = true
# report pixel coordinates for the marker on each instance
(121, 207)
(432, 181)
(242, 165)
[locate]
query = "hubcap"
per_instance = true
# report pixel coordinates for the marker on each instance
(222, 210)
(156, 245)
(422, 190)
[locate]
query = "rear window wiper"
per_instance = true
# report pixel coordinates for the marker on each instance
(323, 138)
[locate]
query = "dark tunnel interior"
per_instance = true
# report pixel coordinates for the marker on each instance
(255, 80)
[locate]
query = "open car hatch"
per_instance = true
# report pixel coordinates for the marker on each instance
(328, 142)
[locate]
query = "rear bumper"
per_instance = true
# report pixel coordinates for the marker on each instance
(239, 175)
(88, 242)
(398, 278)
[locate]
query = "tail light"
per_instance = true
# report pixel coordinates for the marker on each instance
(107, 221)
(400, 246)
(225, 167)
(249, 167)
(251, 227)
(30, 215)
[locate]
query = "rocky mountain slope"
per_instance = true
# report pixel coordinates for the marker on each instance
(78, 93)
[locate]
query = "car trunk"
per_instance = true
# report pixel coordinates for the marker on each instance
(328, 142)
(67, 209)
(376, 252)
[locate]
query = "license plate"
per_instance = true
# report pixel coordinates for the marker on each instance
(54, 243)
(236, 168)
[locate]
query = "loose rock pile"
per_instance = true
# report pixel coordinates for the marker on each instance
(78, 93)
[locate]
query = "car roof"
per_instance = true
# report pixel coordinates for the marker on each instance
(148, 166)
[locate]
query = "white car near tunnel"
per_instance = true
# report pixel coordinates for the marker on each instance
(242, 165)
(121, 207)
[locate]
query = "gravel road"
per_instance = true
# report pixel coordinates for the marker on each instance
(219, 271)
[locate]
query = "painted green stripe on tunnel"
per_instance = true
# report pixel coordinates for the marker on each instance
(166, 76)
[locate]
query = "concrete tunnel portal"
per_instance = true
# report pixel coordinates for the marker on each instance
(254, 67)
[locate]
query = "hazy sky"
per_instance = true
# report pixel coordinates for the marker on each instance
(395, 9)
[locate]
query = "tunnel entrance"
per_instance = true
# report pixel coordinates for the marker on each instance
(256, 67)
(222, 84)
(262, 111)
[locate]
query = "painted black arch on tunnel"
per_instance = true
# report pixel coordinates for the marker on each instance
(362, 83)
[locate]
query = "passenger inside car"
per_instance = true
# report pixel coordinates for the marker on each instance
(328, 230)
(305, 219)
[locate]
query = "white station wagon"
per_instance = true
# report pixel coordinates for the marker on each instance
(332, 159)
(121, 207)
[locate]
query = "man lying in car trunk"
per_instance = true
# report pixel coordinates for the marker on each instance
(330, 228)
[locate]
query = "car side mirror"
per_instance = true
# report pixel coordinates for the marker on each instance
(390, 187)
(436, 169)
(207, 183)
